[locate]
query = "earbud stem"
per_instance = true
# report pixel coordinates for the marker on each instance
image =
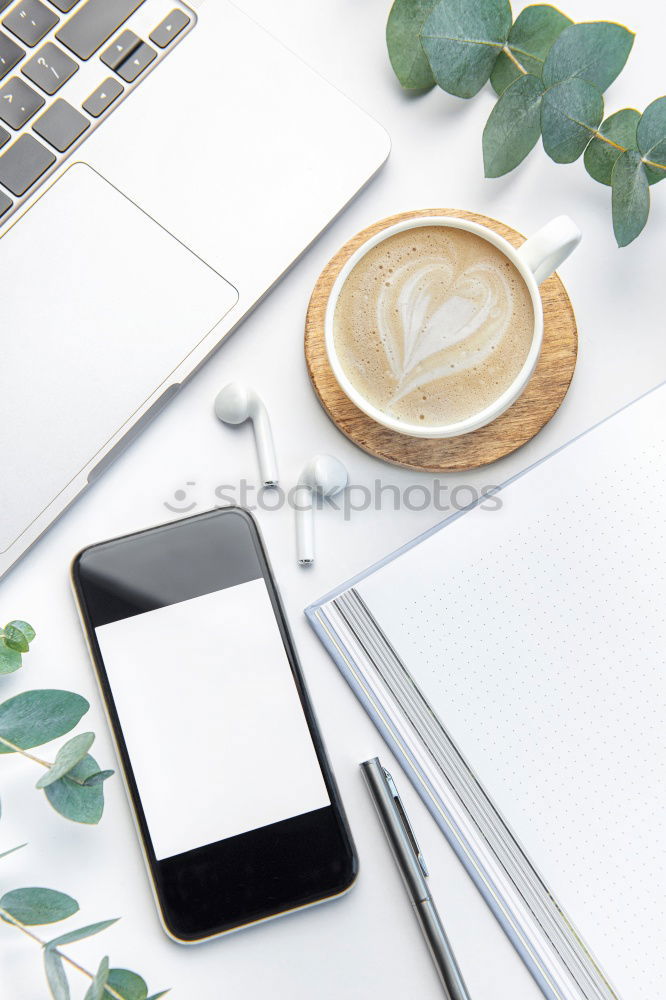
(305, 545)
(263, 437)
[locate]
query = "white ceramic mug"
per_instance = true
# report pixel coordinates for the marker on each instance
(535, 260)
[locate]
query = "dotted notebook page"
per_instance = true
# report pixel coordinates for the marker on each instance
(537, 633)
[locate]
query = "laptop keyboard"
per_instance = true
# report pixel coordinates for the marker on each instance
(44, 44)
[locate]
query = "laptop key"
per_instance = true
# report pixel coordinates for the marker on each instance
(103, 97)
(170, 28)
(50, 68)
(30, 21)
(119, 50)
(10, 54)
(5, 203)
(94, 23)
(18, 103)
(4, 137)
(64, 5)
(23, 164)
(137, 63)
(61, 125)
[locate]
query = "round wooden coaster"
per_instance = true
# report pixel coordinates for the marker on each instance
(540, 400)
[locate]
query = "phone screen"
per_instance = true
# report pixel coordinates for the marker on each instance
(210, 715)
(219, 747)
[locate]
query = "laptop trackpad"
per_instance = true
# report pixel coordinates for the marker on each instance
(105, 306)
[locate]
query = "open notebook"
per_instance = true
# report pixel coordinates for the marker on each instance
(515, 660)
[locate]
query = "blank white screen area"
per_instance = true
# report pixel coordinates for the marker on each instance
(213, 723)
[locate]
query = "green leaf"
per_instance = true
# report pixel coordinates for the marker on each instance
(67, 757)
(28, 630)
(10, 659)
(127, 984)
(408, 59)
(651, 138)
(55, 975)
(19, 635)
(595, 51)
(570, 112)
(36, 717)
(96, 989)
(462, 41)
(514, 126)
(631, 197)
(599, 156)
(533, 32)
(38, 906)
(15, 639)
(81, 933)
(12, 849)
(98, 778)
(74, 800)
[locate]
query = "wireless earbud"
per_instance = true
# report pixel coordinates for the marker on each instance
(324, 475)
(237, 403)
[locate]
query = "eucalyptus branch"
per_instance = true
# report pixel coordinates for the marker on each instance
(550, 76)
(72, 784)
(623, 149)
(73, 781)
(38, 760)
(511, 57)
(653, 165)
(61, 954)
(24, 753)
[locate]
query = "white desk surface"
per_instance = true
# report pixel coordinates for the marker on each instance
(367, 944)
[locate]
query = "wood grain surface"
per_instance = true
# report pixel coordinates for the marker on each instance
(540, 400)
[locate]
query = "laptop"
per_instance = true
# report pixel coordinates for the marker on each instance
(162, 165)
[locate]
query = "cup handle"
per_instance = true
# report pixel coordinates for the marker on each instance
(550, 246)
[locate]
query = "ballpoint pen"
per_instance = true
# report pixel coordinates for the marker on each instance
(411, 863)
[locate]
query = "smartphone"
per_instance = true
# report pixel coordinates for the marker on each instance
(234, 800)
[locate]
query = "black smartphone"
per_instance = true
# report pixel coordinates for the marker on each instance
(235, 802)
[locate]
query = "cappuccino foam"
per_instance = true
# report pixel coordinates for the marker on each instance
(433, 324)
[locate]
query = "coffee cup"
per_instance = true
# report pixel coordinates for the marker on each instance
(434, 339)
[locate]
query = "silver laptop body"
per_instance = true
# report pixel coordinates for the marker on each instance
(173, 163)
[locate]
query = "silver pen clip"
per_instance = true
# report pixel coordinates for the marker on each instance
(405, 822)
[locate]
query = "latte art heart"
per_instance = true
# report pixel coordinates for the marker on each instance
(433, 324)
(434, 321)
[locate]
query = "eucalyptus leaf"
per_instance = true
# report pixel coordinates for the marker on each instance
(408, 59)
(74, 800)
(37, 717)
(83, 932)
(98, 778)
(631, 197)
(15, 638)
(128, 984)
(595, 51)
(96, 989)
(514, 126)
(600, 157)
(67, 757)
(651, 138)
(462, 41)
(37, 906)
(10, 659)
(570, 113)
(533, 32)
(27, 630)
(55, 975)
